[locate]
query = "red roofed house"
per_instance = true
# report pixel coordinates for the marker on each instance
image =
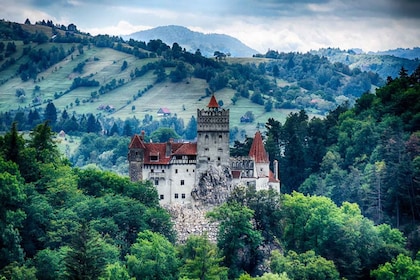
(163, 112)
(175, 168)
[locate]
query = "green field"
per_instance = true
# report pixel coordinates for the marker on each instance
(104, 65)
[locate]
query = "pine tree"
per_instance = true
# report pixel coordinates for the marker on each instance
(86, 258)
(50, 113)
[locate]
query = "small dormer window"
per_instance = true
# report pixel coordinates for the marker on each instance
(154, 156)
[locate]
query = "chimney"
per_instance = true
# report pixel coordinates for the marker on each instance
(142, 135)
(276, 169)
(168, 151)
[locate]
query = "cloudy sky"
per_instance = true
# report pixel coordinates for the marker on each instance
(282, 25)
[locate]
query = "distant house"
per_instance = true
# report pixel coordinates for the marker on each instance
(163, 112)
(106, 108)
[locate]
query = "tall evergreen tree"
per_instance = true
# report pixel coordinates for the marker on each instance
(43, 143)
(50, 113)
(92, 125)
(12, 145)
(114, 130)
(86, 258)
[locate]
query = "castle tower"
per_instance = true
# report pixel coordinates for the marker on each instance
(212, 137)
(260, 156)
(136, 157)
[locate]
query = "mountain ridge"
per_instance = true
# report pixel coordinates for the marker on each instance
(193, 40)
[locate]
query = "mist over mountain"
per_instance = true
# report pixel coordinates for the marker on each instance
(192, 40)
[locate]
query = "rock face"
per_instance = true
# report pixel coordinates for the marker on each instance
(213, 189)
(214, 186)
(189, 220)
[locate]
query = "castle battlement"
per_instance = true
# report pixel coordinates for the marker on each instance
(212, 120)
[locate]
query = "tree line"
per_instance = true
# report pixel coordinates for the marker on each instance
(367, 154)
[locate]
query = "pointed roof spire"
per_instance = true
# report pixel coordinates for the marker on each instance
(213, 102)
(257, 151)
(137, 142)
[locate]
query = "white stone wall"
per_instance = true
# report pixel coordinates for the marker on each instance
(173, 182)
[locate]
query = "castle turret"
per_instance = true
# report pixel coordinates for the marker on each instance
(212, 136)
(136, 157)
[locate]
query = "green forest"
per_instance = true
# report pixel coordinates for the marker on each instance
(349, 206)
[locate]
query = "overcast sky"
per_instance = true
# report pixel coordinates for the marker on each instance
(282, 25)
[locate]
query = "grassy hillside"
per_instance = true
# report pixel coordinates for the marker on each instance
(125, 76)
(104, 65)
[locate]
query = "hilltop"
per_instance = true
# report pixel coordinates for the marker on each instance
(117, 80)
(386, 63)
(192, 40)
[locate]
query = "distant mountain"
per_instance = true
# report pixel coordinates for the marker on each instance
(384, 64)
(400, 52)
(192, 40)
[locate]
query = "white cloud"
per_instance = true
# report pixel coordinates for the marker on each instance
(281, 25)
(122, 28)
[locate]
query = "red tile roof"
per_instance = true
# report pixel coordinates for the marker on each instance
(257, 151)
(164, 110)
(184, 148)
(136, 142)
(272, 178)
(159, 150)
(213, 102)
(155, 149)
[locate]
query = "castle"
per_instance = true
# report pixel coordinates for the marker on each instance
(184, 172)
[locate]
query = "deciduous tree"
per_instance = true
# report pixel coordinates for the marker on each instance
(152, 257)
(237, 238)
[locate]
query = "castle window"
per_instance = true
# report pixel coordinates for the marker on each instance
(220, 138)
(176, 171)
(182, 182)
(206, 139)
(218, 158)
(187, 170)
(208, 158)
(156, 182)
(220, 150)
(161, 197)
(163, 171)
(176, 196)
(183, 195)
(152, 170)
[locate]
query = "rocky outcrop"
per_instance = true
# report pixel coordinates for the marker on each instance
(191, 219)
(213, 187)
